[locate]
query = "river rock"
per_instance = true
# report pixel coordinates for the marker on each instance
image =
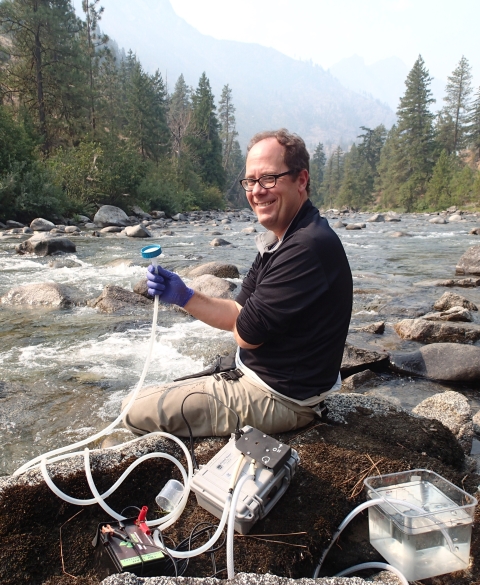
(115, 298)
(90, 226)
(451, 282)
(437, 331)
(455, 217)
(400, 235)
(110, 215)
(141, 288)
(475, 231)
(438, 220)
(378, 328)
(72, 229)
(249, 230)
(356, 359)
(44, 294)
(219, 242)
(213, 286)
(121, 262)
(41, 225)
(469, 263)
(14, 224)
(138, 211)
(216, 269)
(393, 217)
(111, 229)
(453, 314)
(353, 226)
(376, 218)
(64, 263)
(339, 224)
(27, 230)
(137, 231)
(179, 217)
(449, 300)
(157, 214)
(367, 379)
(452, 410)
(446, 362)
(44, 245)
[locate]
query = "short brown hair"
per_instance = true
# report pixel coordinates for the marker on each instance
(296, 154)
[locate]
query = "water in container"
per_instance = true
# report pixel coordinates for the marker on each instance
(429, 535)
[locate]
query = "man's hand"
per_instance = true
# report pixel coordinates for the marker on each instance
(168, 286)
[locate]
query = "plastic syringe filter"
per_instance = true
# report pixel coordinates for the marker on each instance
(151, 251)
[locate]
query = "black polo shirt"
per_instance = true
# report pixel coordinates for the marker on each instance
(297, 303)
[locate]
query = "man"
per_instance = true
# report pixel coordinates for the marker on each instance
(290, 319)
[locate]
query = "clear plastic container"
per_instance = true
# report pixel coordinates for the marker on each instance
(421, 544)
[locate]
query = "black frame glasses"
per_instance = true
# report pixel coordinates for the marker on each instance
(249, 184)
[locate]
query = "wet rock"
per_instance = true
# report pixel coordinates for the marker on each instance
(249, 230)
(453, 411)
(41, 225)
(225, 221)
(138, 211)
(121, 262)
(90, 226)
(27, 230)
(2, 226)
(455, 217)
(476, 422)
(14, 224)
(168, 233)
(219, 242)
(213, 286)
(353, 383)
(141, 288)
(353, 226)
(216, 269)
(216, 233)
(469, 263)
(158, 214)
(446, 362)
(179, 217)
(115, 298)
(400, 235)
(339, 224)
(393, 217)
(449, 300)
(137, 231)
(44, 245)
(438, 220)
(110, 215)
(356, 359)
(451, 282)
(453, 314)
(44, 294)
(475, 232)
(376, 218)
(437, 331)
(378, 328)
(64, 263)
(111, 229)
(83, 219)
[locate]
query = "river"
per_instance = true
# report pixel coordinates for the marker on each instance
(64, 373)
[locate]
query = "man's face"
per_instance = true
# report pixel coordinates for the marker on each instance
(275, 207)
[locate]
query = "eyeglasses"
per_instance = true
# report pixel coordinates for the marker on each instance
(265, 181)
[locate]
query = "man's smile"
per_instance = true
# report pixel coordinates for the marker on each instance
(265, 203)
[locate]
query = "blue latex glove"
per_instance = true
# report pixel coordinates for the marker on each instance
(168, 286)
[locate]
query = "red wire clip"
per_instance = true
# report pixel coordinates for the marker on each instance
(140, 521)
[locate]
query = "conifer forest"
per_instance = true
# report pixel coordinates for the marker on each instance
(83, 124)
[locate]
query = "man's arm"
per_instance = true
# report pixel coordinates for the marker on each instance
(219, 313)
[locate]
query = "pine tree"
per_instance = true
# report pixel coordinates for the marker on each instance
(474, 127)
(388, 180)
(439, 193)
(333, 177)
(458, 91)
(317, 171)
(46, 72)
(179, 115)
(228, 132)
(205, 146)
(234, 172)
(416, 145)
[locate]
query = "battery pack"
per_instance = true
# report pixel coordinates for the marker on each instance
(276, 465)
(123, 546)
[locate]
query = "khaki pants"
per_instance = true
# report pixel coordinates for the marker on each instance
(158, 408)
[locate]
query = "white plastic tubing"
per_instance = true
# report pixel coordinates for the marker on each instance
(357, 510)
(66, 452)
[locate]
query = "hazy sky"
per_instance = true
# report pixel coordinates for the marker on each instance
(327, 31)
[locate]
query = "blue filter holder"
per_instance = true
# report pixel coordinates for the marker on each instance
(152, 252)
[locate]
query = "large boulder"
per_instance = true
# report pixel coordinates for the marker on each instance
(453, 411)
(218, 269)
(437, 331)
(356, 359)
(453, 314)
(376, 218)
(213, 286)
(449, 300)
(41, 225)
(44, 245)
(361, 380)
(448, 362)
(438, 219)
(469, 263)
(219, 242)
(115, 298)
(44, 294)
(110, 215)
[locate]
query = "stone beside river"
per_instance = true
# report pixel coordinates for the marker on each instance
(43, 244)
(216, 269)
(115, 298)
(110, 215)
(449, 300)
(213, 286)
(437, 331)
(41, 225)
(469, 263)
(356, 359)
(446, 362)
(137, 231)
(44, 294)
